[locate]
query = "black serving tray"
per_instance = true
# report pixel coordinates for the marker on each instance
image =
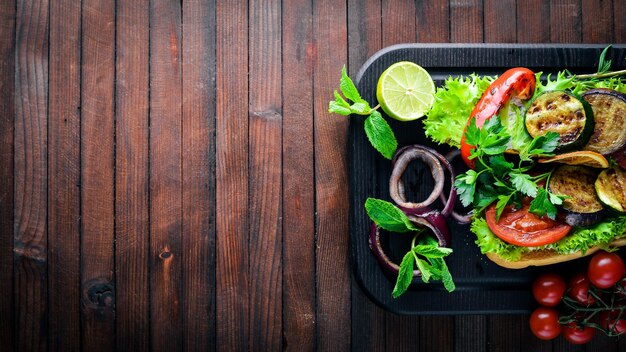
(482, 286)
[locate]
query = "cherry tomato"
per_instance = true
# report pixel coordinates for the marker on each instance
(544, 323)
(605, 269)
(517, 81)
(578, 335)
(548, 289)
(523, 228)
(612, 322)
(579, 289)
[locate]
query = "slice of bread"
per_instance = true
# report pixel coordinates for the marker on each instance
(546, 257)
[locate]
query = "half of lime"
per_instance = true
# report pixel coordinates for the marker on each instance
(405, 91)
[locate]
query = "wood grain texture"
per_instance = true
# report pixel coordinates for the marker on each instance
(566, 21)
(30, 175)
(232, 232)
(533, 21)
(132, 176)
(198, 175)
(333, 275)
(298, 195)
(97, 181)
(597, 21)
(398, 22)
(165, 174)
(466, 21)
(64, 182)
(7, 198)
(499, 20)
(437, 331)
(619, 27)
(265, 179)
(470, 333)
(433, 21)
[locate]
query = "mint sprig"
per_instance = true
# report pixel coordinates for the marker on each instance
(378, 131)
(425, 253)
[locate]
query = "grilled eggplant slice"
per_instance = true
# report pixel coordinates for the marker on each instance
(609, 112)
(611, 188)
(563, 113)
(582, 207)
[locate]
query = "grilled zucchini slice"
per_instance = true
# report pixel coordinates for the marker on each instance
(611, 188)
(609, 113)
(582, 207)
(563, 113)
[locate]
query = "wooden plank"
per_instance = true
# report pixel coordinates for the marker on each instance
(466, 21)
(30, 172)
(533, 21)
(503, 333)
(7, 199)
(97, 163)
(398, 22)
(496, 14)
(530, 341)
(619, 26)
(333, 275)
(132, 177)
(198, 175)
(265, 179)
(597, 21)
(402, 333)
(165, 173)
(233, 284)
(64, 176)
(470, 333)
(437, 331)
(433, 21)
(565, 21)
(299, 55)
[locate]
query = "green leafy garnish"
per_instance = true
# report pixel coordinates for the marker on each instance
(378, 131)
(425, 253)
(427, 256)
(500, 180)
(388, 216)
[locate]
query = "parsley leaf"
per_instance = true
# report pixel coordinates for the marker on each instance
(524, 184)
(541, 205)
(388, 216)
(380, 135)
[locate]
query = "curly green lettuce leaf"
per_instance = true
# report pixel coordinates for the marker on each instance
(581, 239)
(488, 242)
(451, 109)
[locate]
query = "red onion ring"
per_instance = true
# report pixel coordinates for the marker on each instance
(401, 162)
(461, 219)
(381, 256)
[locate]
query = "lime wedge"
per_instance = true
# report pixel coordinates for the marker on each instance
(405, 91)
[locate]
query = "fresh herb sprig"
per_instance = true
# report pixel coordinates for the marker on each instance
(498, 180)
(378, 131)
(424, 254)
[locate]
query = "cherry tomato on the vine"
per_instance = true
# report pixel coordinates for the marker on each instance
(613, 322)
(544, 323)
(548, 289)
(578, 334)
(605, 269)
(579, 289)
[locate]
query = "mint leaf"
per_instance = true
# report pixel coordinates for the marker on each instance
(524, 184)
(388, 216)
(336, 108)
(425, 269)
(431, 251)
(445, 276)
(348, 88)
(362, 108)
(405, 275)
(541, 205)
(380, 135)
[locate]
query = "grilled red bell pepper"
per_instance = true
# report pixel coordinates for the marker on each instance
(517, 81)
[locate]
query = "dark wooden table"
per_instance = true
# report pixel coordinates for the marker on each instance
(170, 178)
